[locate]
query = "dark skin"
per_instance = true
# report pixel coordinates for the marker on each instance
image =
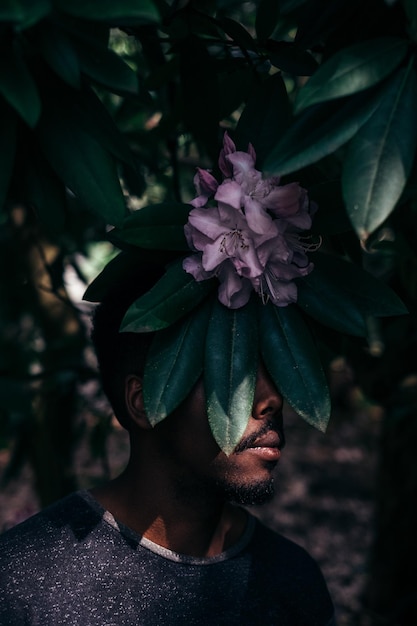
(174, 488)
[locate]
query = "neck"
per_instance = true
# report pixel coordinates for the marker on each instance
(177, 514)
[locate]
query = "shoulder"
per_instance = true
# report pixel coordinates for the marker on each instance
(286, 570)
(66, 520)
(283, 557)
(271, 544)
(42, 555)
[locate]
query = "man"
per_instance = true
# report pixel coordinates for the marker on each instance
(167, 542)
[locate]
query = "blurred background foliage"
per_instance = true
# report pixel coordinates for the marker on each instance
(106, 107)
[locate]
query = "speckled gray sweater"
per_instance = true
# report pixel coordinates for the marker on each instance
(73, 564)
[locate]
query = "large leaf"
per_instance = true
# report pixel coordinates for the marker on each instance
(235, 80)
(92, 116)
(379, 159)
(174, 364)
(331, 217)
(342, 296)
(231, 363)
(200, 92)
(238, 34)
(23, 13)
(158, 226)
(410, 8)
(267, 16)
(8, 148)
(128, 12)
(353, 69)
(174, 295)
(58, 51)
(124, 267)
(320, 131)
(106, 68)
(265, 117)
(290, 57)
(45, 192)
(15, 395)
(86, 168)
(292, 360)
(17, 85)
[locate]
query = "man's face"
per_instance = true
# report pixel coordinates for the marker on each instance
(246, 475)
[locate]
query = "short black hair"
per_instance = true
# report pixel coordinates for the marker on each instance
(120, 354)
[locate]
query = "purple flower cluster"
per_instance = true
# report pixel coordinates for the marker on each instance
(251, 238)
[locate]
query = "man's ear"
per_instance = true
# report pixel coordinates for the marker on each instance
(134, 401)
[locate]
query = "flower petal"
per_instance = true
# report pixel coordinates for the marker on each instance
(258, 219)
(207, 222)
(228, 147)
(275, 249)
(251, 151)
(214, 254)
(244, 171)
(205, 182)
(234, 291)
(192, 265)
(286, 293)
(284, 201)
(229, 192)
(206, 186)
(246, 262)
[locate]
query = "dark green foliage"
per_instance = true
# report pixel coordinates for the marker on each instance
(174, 295)
(109, 106)
(290, 355)
(160, 226)
(176, 355)
(230, 366)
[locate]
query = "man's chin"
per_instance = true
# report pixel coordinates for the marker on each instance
(250, 494)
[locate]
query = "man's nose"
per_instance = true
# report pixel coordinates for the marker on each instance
(267, 401)
(269, 407)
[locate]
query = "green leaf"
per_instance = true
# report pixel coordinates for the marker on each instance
(82, 164)
(106, 68)
(126, 12)
(15, 395)
(290, 57)
(88, 111)
(265, 117)
(8, 148)
(410, 8)
(23, 13)
(200, 92)
(231, 363)
(341, 295)
(174, 295)
(234, 87)
(331, 217)
(56, 48)
(320, 131)
(353, 69)
(17, 85)
(123, 267)
(292, 360)
(158, 226)
(380, 157)
(174, 364)
(287, 6)
(45, 192)
(238, 34)
(267, 16)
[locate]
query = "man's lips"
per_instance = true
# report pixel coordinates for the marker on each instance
(266, 445)
(270, 440)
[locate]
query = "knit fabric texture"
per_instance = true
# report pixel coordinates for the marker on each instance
(74, 564)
